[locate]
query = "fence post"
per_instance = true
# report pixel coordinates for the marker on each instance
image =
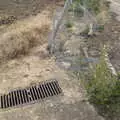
(56, 25)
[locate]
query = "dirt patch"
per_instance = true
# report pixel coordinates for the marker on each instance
(110, 37)
(32, 69)
(18, 38)
(23, 8)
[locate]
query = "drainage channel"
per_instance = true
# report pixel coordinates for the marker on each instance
(31, 94)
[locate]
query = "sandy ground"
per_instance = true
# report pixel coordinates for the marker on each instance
(115, 7)
(33, 69)
(38, 66)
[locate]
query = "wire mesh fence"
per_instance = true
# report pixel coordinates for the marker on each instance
(63, 14)
(65, 41)
(57, 21)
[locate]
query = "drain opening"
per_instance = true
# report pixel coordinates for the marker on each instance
(31, 94)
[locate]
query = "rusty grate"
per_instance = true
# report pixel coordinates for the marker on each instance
(31, 94)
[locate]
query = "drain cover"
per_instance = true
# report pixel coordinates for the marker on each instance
(31, 94)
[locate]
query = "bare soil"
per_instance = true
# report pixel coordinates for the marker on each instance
(38, 66)
(23, 8)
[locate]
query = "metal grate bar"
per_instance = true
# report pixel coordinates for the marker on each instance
(30, 95)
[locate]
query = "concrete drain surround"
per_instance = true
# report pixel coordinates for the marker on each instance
(30, 95)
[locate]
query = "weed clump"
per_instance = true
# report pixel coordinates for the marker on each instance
(69, 24)
(103, 88)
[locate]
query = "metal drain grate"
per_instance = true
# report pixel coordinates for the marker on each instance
(31, 94)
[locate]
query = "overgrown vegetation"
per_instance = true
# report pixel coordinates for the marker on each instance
(93, 6)
(103, 89)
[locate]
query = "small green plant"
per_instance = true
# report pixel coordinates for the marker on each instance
(69, 24)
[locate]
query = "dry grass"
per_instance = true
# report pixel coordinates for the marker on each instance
(23, 35)
(104, 16)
